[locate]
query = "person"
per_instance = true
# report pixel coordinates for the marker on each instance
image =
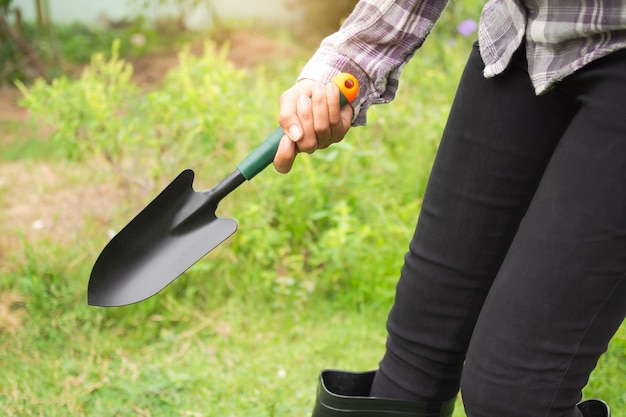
(515, 278)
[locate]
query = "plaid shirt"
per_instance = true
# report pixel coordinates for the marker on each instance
(380, 36)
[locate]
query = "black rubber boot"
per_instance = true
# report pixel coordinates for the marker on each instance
(342, 394)
(594, 408)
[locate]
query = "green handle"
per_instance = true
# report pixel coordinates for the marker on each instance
(263, 155)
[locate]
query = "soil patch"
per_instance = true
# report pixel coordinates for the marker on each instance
(9, 108)
(46, 202)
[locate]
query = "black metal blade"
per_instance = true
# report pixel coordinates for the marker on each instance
(171, 234)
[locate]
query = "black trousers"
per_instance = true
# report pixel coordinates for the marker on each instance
(515, 279)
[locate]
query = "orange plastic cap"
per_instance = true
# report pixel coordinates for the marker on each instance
(348, 85)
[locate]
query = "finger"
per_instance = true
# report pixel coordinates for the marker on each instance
(287, 116)
(308, 142)
(346, 113)
(285, 155)
(335, 122)
(321, 125)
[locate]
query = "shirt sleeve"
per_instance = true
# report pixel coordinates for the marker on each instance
(374, 44)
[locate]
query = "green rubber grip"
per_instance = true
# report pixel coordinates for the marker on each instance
(263, 155)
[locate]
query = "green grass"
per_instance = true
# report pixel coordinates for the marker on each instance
(21, 141)
(247, 330)
(227, 362)
(186, 359)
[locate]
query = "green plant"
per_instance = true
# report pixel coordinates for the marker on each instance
(200, 107)
(94, 115)
(78, 42)
(102, 114)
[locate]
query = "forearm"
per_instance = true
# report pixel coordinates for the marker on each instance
(374, 44)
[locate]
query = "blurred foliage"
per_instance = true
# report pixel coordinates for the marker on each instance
(17, 58)
(101, 114)
(305, 284)
(84, 111)
(29, 50)
(77, 42)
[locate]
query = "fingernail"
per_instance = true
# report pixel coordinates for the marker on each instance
(295, 133)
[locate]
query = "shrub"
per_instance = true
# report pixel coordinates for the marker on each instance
(102, 115)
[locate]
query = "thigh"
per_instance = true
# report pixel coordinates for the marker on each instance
(560, 294)
(496, 144)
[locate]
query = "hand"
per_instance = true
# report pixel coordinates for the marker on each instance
(311, 118)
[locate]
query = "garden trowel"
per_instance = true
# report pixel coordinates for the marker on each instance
(177, 228)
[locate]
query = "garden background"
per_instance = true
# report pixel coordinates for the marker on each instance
(107, 114)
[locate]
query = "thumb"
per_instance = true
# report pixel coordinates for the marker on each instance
(285, 155)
